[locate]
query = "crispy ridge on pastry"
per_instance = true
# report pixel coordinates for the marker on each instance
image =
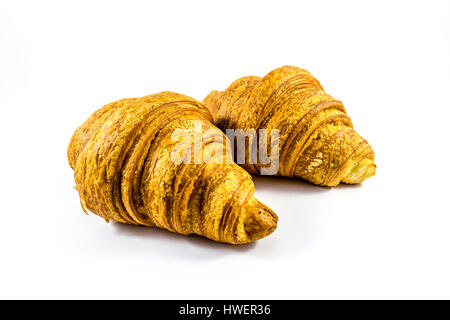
(124, 171)
(317, 141)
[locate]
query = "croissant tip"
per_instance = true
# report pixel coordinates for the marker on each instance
(260, 222)
(360, 171)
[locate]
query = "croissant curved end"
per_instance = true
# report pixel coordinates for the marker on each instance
(360, 171)
(259, 222)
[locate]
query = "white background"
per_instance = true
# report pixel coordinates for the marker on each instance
(389, 62)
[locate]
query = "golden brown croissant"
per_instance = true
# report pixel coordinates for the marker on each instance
(317, 141)
(125, 170)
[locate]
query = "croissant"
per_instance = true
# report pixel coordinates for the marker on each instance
(316, 139)
(125, 170)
